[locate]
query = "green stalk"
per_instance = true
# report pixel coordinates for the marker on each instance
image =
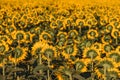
(4, 68)
(48, 71)
(28, 66)
(18, 78)
(105, 70)
(70, 76)
(15, 66)
(116, 41)
(80, 29)
(92, 67)
(40, 61)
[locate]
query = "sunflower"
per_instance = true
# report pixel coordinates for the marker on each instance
(67, 23)
(62, 34)
(53, 24)
(92, 34)
(103, 67)
(109, 28)
(115, 56)
(49, 51)
(107, 47)
(60, 45)
(19, 35)
(60, 24)
(113, 73)
(45, 37)
(80, 65)
(98, 46)
(4, 47)
(6, 38)
(18, 55)
(115, 33)
(73, 33)
(90, 52)
(37, 47)
(80, 22)
(11, 30)
(106, 39)
(69, 50)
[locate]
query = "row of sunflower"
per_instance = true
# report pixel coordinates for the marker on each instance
(52, 42)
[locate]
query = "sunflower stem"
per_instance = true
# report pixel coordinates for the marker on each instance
(40, 61)
(4, 68)
(48, 71)
(105, 70)
(70, 76)
(18, 78)
(92, 76)
(116, 41)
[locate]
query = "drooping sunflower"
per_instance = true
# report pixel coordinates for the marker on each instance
(92, 34)
(70, 50)
(107, 47)
(11, 29)
(115, 33)
(98, 46)
(6, 38)
(115, 56)
(19, 35)
(18, 55)
(37, 47)
(45, 37)
(60, 45)
(80, 22)
(73, 33)
(67, 23)
(81, 65)
(106, 39)
(49, 52)
(53, 24)
(4, 47)
(113, 73)
(109, 28)
(62, 34)
(103, 66)
(90, 52)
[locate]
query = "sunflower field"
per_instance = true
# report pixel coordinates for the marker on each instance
(59, 40)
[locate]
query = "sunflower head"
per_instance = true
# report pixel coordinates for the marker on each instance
(73, 33)
(69, 50)
(18, 55)
(109, 28)
(90, 52)
(37, 47)
(115, 33)
(19, 35)
(106, 39)
(107, 47)
(80, 66)
(4, 47)
(92, 34)
(115, 56)
(45, 36)
(49, 52)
